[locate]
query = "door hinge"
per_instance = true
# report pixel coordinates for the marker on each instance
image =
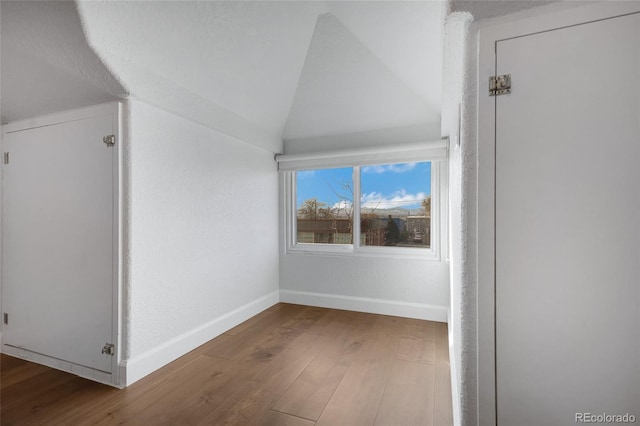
(109, 140)
(109, 349)
(5, 318)
(499, 85)
(6, 158)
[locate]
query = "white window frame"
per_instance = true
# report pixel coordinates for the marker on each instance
(434, 152)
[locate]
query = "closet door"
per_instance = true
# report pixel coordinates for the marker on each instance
(58, 241)
(568, 224)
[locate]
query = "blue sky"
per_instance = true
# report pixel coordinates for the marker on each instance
(384, 186)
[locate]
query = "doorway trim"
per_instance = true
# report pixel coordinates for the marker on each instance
(115, 110)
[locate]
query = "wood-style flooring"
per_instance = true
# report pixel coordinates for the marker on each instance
(290, 365)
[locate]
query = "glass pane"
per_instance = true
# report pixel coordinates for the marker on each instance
(324, 204)
(396, 205)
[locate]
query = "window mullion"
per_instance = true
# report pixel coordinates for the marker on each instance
(290, 203)
(356, 207)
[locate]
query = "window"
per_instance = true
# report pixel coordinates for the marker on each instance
(324, 206)
(395, 205)
(364, 206)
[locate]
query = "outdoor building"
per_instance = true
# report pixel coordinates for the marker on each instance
(419, 229)
(327, 231)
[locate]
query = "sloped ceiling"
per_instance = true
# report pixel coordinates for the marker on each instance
(368, 67)
(263, 72)
(268, 71)
(47, 65)
(233, 66)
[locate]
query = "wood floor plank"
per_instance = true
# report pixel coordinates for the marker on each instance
(104, 403)
(8, 363)
(443, 403)
(30, 400)
(74, 407)
(246, 405)
(291, 365)
(274, 418)
(266, 339)
(417, 350)
(264, 318)
(409, 395)
(184, 397)
(311, 391)
(419, 329)
(357, 397)
(357, 322)
(18, 372)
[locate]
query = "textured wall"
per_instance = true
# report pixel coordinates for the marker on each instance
(456, 48)
(396, 286)
(203, 226)
(395, 280)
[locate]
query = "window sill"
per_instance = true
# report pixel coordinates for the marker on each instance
(346, 250)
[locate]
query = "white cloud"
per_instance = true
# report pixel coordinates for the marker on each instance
(395, 168)
(399, 199)
(342, 205)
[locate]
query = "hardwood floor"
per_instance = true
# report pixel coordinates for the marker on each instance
(290, 365)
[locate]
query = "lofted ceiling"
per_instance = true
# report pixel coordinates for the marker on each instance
(261, 71)
(268, 71)
(46, 63)
(370, 66)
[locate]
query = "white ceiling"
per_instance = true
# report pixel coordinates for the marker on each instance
(347, 86)
(46, 63)
(283, 70)
(260, 71)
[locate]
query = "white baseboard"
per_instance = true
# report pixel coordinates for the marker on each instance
(363, 304)
(136, 368)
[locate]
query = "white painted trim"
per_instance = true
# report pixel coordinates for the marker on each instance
(421, 311)
(455, 392)
(118, 249)
(61, 117)
(488, 35)
(432, 150)
(138, 367)
(439, 222)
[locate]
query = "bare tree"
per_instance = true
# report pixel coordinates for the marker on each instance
(426, 205)
(314, 209)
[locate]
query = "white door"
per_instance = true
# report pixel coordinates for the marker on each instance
(57, 241)
(568, 224)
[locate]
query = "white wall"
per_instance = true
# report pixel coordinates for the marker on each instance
(202, 235)
(456, 48)
(402, 287)
(0, 116)
(416, 288)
